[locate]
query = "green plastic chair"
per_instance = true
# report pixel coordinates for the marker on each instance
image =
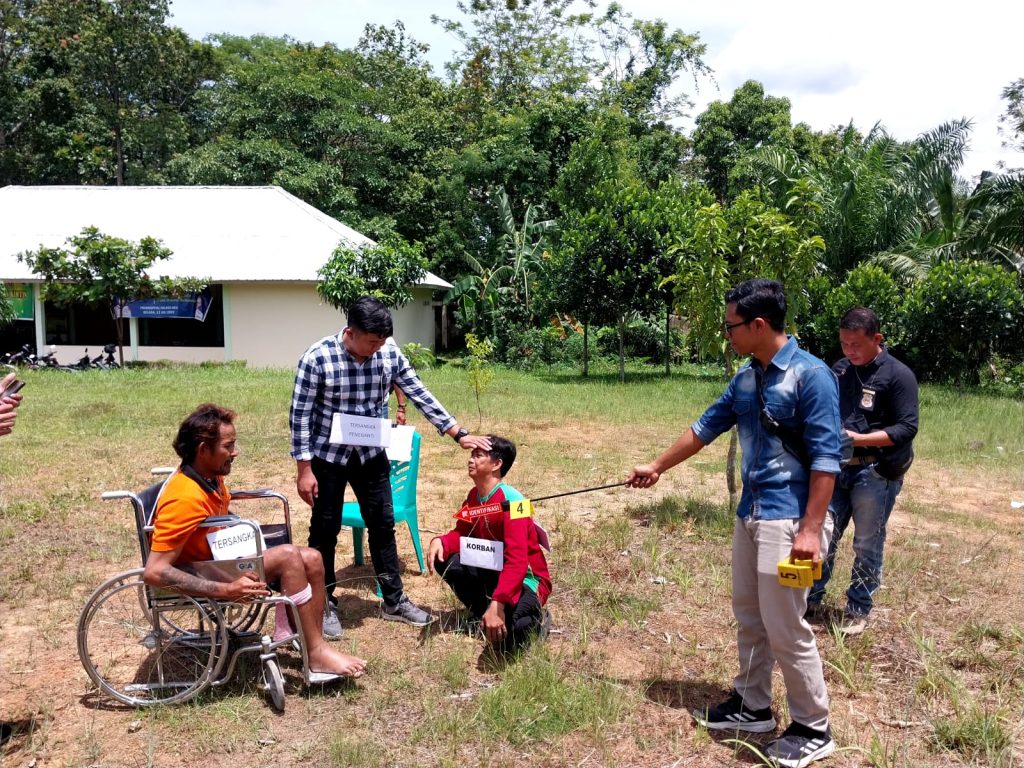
(403, 493)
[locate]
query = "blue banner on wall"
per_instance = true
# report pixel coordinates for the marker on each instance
(193, 307)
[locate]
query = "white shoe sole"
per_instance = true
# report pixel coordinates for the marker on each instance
(818, 754)
(759, 726)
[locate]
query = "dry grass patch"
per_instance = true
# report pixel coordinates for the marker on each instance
(643, 626)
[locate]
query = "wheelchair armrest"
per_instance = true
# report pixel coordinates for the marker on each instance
(255, 493)
(107, 495)
(266, 493)
(219, 520)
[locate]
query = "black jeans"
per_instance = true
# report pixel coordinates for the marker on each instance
(372, 486)
(474, 587)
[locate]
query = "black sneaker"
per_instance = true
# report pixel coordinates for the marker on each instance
(799, 746)
(731, 715)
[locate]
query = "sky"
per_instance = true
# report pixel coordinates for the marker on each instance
(908, 64)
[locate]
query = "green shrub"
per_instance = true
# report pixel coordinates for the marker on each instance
(865, 286)
(958, 317)
(420, 357)
(1003, 376)
(813, 325)
(528, 348)
(643, 338)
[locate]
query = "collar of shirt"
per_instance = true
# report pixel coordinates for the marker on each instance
(210, 486)
(781, 359)
(347, 357)
(875, 364)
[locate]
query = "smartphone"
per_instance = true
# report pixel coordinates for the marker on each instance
(15, 387)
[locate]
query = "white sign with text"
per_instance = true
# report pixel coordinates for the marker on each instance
(400, 447)
(235, 541)
(347, 429)
(482, 553)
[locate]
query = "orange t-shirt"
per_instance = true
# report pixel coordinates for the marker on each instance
(183, 505)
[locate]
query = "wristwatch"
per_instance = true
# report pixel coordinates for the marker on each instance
(460, 434)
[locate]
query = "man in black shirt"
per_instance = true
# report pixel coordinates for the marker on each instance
(878, 405)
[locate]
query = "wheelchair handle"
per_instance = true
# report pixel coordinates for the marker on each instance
(107, 495)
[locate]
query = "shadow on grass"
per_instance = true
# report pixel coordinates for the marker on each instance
(697, 694)
(15, 735)
(355, 591)
(100, 702)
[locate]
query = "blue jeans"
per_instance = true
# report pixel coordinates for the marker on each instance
(867, 498)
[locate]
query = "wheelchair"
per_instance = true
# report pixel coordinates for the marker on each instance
(146, 646)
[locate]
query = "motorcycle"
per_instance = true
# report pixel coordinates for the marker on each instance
(106, 361)
(49, 360)
(24, 356)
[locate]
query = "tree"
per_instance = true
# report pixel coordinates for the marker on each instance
(604, 158)
(479, 371)
(615, 246)
(642, 60)
(961, 314)
(100, 270)
(385, 270)
(94, 91)
(515, 50)
(726, 133)
(138, 75)
(523, 248)
(6, 310)
(876, 194)
(727, 245)
(1011, 122)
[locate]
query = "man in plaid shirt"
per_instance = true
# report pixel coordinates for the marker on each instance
(352, 373)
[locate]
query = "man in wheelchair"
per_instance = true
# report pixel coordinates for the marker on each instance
(206, 443)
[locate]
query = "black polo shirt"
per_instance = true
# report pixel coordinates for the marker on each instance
(880, 395)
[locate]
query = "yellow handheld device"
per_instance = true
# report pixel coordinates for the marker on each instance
(799, 574)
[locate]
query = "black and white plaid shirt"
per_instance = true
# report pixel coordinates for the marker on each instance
(329, 381)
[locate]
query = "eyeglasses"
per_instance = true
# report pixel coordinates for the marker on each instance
(727, 328)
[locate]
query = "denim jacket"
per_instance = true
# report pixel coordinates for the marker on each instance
(800, 393)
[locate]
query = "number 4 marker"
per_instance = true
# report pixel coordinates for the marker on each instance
(520, 509)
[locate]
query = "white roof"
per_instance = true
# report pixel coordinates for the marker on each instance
(226, 234)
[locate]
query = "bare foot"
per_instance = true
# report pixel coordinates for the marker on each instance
(326, 659)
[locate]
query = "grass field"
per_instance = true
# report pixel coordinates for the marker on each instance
(643, 627)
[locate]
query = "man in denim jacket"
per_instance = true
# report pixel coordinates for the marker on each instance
(785, 404)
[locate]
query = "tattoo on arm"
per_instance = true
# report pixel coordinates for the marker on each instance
(187, 583)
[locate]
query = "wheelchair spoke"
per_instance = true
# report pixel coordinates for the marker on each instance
(142, 652)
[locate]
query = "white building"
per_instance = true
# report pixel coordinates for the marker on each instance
(260, 247)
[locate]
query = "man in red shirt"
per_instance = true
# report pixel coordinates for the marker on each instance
(508, 600)
(207, 446)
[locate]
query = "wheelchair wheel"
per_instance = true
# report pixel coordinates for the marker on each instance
(275, 683)
(144, 652)
(240, 617)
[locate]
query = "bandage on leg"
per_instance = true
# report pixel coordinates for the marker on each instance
(283, 626)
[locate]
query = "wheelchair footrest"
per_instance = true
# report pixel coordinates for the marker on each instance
(321, 678)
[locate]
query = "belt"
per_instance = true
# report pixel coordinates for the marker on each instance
(860, 461)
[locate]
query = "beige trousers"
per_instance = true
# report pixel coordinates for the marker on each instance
(771, 622)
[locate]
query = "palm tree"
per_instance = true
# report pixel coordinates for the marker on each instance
(874, 193)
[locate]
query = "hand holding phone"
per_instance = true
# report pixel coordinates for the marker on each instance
(13, 389)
